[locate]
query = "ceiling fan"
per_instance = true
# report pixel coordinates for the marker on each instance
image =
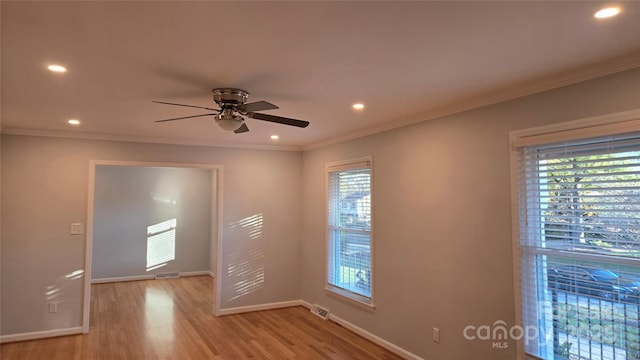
(233, 102)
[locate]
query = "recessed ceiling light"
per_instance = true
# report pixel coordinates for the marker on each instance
(607, 12)
(275, 137)
(74, 122)
(57, 68)
(358, 106)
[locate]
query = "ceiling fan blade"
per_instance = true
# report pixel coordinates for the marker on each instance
(256, 106)
(279, 119)
(185, 117)
(242, 129)
(193, 106)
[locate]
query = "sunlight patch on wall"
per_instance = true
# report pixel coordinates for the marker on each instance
(52, 292)
(246, 272)
(56, 291)
(60, 297)
(163, 200)
(74, 275)
(161, 244)
(251, 226)
(246, 269)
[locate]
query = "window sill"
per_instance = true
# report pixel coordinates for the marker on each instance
(350, 297)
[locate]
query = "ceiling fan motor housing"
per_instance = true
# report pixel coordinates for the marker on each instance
(230, 97)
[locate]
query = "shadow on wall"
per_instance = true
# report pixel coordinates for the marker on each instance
(245, 268)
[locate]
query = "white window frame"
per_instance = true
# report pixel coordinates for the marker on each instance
(355, 163)
(598, 126)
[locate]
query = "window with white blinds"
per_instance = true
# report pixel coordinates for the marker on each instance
(579, 207)
(349, 215)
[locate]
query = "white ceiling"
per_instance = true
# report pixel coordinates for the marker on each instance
(407, 61)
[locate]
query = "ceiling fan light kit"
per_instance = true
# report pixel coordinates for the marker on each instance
(232, 101)
(228, 121)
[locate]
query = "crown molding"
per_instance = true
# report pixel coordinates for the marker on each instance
(546, 83)
(139, 139)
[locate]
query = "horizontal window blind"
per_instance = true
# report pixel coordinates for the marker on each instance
(580, 247)
(349, 231)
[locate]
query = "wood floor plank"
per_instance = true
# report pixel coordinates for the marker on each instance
(172, 319)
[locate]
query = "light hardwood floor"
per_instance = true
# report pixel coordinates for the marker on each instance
(171, 319)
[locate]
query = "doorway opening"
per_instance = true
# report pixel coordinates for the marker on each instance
(151, 220)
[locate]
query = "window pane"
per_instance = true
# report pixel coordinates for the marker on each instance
(351, 268)
(591, 309)
(580, 242)
(350, 199)
(349, 220)
(592, 203)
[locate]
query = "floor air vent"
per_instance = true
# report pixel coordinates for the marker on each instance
(320, 311)
(167, 275)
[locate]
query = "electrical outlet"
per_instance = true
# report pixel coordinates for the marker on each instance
(436, 335)
(53, 306)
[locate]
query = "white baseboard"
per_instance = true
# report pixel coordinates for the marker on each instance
(197, 273)
(260, 307)
(375, 339)
(40, 334)
(149, 277)
(369, 336)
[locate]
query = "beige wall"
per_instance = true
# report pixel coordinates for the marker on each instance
(442, 226)
(44, 190)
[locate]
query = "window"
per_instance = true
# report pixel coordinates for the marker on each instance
(349, 214)
(579, 258)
